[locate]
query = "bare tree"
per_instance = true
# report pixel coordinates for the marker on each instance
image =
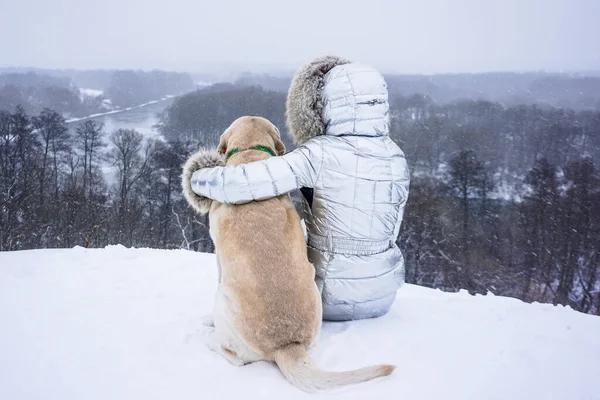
(467, 179)
(55, 141)
(539, 224)
(131, 156)
(18, 158)
(88, 140)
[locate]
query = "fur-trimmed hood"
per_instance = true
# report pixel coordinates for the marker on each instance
(204, 158)
(334, 96)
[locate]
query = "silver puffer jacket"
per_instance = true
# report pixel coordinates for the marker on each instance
(338, 112)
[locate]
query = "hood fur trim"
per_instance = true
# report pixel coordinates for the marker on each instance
(204, 158)
(304, 105)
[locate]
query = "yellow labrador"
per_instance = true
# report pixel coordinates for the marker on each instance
(267, 306)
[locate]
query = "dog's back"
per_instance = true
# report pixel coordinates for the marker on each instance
(263, 245)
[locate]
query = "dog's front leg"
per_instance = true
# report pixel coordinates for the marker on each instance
(209, 320)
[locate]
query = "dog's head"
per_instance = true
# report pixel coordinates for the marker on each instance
(247, 132)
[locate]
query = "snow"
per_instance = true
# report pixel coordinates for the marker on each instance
(90, 92)
(120, 323)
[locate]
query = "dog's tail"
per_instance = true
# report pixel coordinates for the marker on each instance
(296, 366)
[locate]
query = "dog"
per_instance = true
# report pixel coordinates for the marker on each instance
(267, 306)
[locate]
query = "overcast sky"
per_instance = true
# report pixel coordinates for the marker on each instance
(416, 36)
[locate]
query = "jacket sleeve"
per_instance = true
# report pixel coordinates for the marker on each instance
(260, 180)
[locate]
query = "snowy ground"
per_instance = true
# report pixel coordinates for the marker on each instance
(121, 323)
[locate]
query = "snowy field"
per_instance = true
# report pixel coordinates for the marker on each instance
(125, 324)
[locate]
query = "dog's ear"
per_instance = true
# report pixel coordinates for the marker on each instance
(222, 149)
(279, 146)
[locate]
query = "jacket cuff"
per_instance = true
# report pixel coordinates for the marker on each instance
(202, 159)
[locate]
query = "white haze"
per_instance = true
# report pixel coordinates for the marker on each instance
(412, 36)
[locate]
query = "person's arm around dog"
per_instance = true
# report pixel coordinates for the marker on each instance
(260, 180)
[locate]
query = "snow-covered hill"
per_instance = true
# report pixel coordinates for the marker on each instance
(117, 323)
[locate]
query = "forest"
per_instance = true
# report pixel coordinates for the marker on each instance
(504, 197)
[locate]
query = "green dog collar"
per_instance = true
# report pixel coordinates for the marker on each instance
(261, 148)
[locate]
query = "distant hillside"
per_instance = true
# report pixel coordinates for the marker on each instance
(78, 93)
(126, 88)
(578, 92)
(266, 81)
(34, 92)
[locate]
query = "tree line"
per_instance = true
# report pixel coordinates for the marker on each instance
(503, 199)
(543, 248)
(87, 187)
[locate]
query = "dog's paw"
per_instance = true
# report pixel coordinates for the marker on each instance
(211, 341)
(208, 320)
(232, 358)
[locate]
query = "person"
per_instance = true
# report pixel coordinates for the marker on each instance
(354, 178)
